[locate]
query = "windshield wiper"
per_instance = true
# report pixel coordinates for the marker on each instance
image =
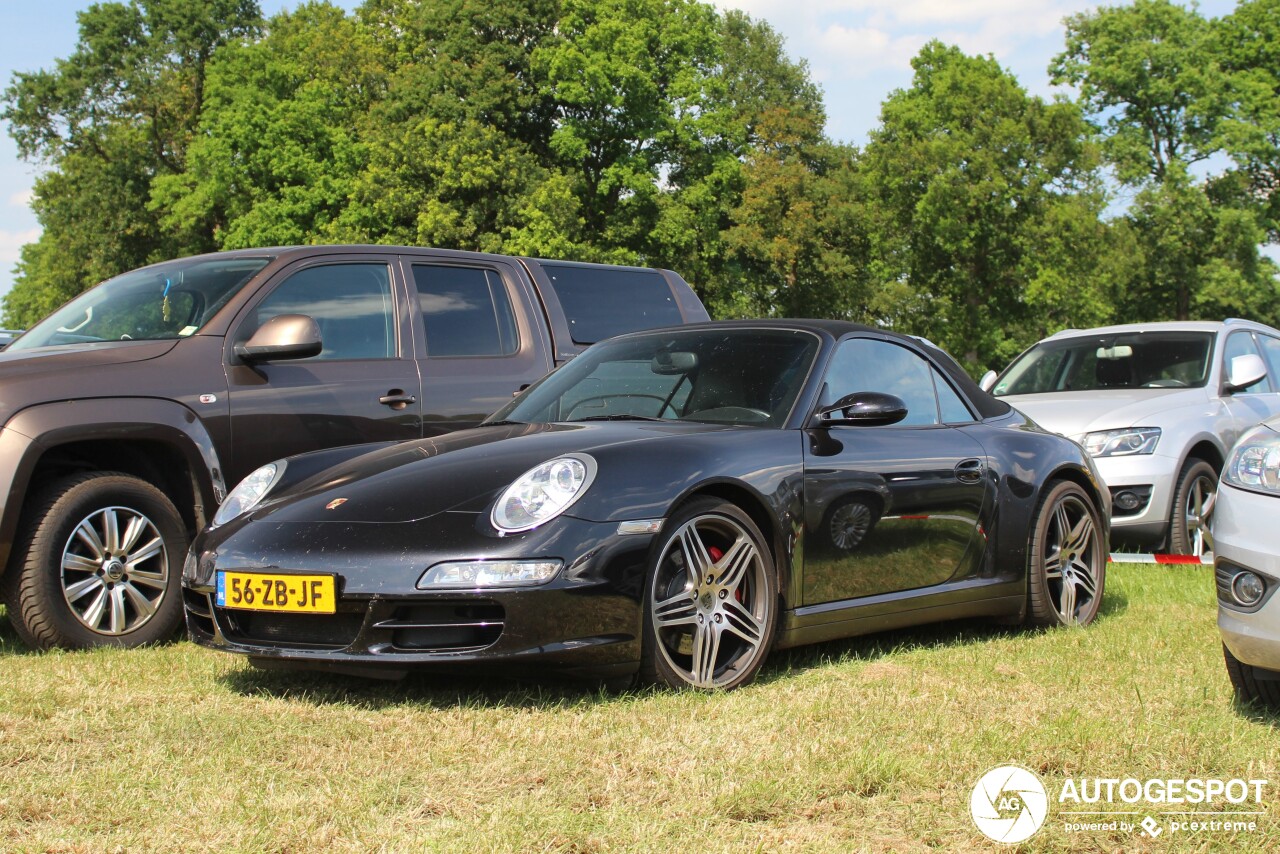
(617, 417)
(501, 423)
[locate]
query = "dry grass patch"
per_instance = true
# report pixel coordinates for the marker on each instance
(865, 745)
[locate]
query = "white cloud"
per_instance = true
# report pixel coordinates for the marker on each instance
(11, 242)
(22, 198)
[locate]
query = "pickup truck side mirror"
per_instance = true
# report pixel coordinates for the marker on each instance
(865, 409)
(988, 381)
(285, 336)
(1245, 371)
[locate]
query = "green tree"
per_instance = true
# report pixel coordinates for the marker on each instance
(1167, 91)
(974, 186)
(107, 121)
(279, 147)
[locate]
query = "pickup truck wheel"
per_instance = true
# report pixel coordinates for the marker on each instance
(103, 559)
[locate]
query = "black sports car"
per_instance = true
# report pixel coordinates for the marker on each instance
(673, 503)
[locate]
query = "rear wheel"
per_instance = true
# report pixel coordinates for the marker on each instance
(1067, 559)
(99, 566)
(710, 601)
(1253, 684)
(1193, 498)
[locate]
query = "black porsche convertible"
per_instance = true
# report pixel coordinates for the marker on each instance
(670, 504)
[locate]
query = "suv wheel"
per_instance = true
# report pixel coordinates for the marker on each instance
(1192, 503)
(98, 564)
(1253, 684)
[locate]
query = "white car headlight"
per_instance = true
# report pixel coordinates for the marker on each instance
(543, 493)
(1122, 443)
(1255, 462)
(489, 573)
(249, 492)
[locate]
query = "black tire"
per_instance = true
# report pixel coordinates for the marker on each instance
(1197, 482)
(71, 585)
(1066, 558)
(1250, 688)
(715, 632)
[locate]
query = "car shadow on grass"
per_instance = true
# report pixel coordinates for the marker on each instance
(10, 643)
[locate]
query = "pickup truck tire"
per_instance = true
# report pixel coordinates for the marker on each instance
(98, 563)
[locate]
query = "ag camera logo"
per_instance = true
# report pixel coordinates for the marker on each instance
(1009, 804)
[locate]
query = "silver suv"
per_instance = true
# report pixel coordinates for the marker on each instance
(1157, 405)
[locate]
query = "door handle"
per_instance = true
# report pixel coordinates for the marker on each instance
(969, 471)
(397, 399)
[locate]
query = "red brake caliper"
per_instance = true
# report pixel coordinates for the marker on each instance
(716, 554)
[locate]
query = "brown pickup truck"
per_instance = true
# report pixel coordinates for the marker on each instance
(128, 411)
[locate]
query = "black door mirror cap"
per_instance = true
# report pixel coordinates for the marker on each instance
(865, 409)
(285, 336)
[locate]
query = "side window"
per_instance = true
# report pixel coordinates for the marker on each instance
(1241, 344)
(465, 311)
(864, 364)
(351, 303)
(953, 409)
(1271, 353)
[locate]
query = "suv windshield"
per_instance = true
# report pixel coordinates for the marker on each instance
(166, 301)
(1090, 363)
(734, 376)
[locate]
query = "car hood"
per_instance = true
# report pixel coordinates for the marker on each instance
(460, 471)
(1075, 413)
(79, 357)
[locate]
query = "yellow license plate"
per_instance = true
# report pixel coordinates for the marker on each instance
(262, 591)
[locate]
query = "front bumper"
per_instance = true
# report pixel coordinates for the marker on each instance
(1243, 534)
(1144, 470)
(585, 621)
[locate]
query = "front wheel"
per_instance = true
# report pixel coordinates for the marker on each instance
(1193, 498)
(99, 565)
(710, 600)
(1253, 684)
(1067, 561)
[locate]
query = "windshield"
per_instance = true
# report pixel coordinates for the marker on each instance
(721, 376)
(1090, 363)
(166, 301)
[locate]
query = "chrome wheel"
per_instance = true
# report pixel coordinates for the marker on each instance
(711, 603)
(1197, 512)
(115, 570)
(1072, 557)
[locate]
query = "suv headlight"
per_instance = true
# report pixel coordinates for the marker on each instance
(1254, 462)
(249, 492)
(1122, 443)
(543, 493)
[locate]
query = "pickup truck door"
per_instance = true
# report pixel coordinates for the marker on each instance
(479, 335)
(363, 387)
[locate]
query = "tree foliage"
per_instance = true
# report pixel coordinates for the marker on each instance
(668, 133)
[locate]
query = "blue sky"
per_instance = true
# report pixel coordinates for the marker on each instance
(858, 50)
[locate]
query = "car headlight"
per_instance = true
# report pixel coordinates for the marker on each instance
(1255, 462)
(249, 492)
(543, 493)
(1122, 443)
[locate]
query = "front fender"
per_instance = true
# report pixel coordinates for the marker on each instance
(33, 432)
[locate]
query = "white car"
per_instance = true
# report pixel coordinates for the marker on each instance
(1247, 567)
(1157, 405)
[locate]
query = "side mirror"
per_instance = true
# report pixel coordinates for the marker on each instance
(285, 336)
(865, 409)
(988, 381)
(1245, 371)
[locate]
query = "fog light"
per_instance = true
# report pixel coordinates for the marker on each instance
(488, 573)
(1247, 589)
(1127, 500)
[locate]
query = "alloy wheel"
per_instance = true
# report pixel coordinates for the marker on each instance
(115, 570)
(710, 608)
(1072, 556)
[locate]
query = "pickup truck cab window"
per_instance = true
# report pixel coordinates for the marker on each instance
(466, 311)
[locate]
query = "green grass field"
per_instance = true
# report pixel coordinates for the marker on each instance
(872, 744)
